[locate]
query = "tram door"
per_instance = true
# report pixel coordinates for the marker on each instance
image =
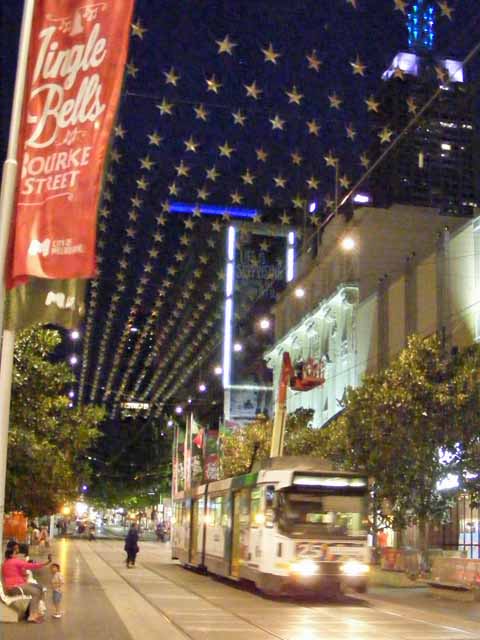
(194, 530)
(235, 565)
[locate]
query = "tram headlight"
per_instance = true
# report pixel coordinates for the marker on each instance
(354, 568)
(305, 567)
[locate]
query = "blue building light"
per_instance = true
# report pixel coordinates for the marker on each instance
(421, 25)
(212, 210)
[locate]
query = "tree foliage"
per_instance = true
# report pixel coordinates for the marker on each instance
(409, 427)
(48, 439)
(244, 447)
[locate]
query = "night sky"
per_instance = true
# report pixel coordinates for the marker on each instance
(190, 130)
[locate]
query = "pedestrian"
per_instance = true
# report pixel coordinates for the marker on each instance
(57, 589)
(15, 581)
(131, 545)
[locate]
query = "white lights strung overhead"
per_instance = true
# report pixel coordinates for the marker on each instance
(75, 335)
(218, 370)
(178, 410)
(348, 243)
(73, 360)
(264, 324)
(202, 387)
(237, 347)
(299, 292)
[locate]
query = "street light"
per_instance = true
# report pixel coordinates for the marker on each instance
(237, 347)
(348, 243)
(71, 394)
(202, 387)
(299, 292)
(170, 423)
(218, 370)
(178, 410)
(264, 324)
(75, 335)
(73, 360)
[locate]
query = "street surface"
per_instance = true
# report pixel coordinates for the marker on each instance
(160, 599)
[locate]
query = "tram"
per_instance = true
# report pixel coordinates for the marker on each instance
(295, 525)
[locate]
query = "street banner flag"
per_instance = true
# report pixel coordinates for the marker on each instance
(42, 301)
(78, 50)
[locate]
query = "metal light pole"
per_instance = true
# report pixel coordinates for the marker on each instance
(7, 202)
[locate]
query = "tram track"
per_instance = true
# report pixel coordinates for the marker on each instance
(189, 590)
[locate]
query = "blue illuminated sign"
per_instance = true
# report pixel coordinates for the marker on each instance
(212, 210)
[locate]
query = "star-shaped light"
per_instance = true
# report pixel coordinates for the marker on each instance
(136, 201)
(294, 96)
(401, 5)
(277, 123)
(138, 30)
(330, 159)
(285, 218)
(165, 107)
(213, 84)
(158, 237)
(335, 101)
(115, 156)
(344, 182)
(166, 209)
(184, 240)
(253, 91)
(296, 158)
(236, 198)
(171, 77)
(226, 45)
(173, 189)
(298, 202)
(267, 200)
(442, 74)
(314, 62)
(131, 232)
(142, 184)
(147, 163)
(358, 67)
(313, 127)
(179, 256)
(154, 138)
(212, 173)
(262, 155)
(270, 54)
(385, 135)
(372, 104)
(153, 253)
(191, 145)
(446, 10)
(364, 160)
(312, 183)
(216, 226)
(280, 182)
(412, 107)
(399, 73)
(226, 150)
(189, 223)
(202, 193)
(196, 211)
(351, 132)
(248, 177)
(182, 169)
(201, 113)
(239, 118)
(131, 70)
(120, 131)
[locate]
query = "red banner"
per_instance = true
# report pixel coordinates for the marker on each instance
(77, 55)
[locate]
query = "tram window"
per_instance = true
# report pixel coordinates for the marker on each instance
(269, 496)
(256, 512)
(215, 511)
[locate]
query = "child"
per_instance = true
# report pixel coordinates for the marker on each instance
(57, 586)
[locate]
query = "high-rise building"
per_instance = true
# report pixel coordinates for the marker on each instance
(435, 164)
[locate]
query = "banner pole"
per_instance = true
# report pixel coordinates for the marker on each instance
(7, 202)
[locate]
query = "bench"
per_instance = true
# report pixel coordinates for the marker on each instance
(13, 608)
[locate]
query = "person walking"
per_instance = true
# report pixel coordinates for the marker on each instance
(131, 545)
(15, 581)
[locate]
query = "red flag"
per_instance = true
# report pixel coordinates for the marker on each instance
(77, 55)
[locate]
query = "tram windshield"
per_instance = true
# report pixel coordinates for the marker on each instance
(314, 513)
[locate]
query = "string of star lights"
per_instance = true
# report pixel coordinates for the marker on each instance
(251, 124)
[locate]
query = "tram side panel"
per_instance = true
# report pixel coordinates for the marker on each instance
(218, 533)
(197, 530)
(181, 529)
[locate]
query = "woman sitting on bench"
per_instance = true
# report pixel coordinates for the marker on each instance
(15, 582)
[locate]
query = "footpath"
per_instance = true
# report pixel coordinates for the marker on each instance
(103, 601)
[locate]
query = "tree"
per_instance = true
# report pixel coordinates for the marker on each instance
(48, 439)
(402, 427)
(244, 447)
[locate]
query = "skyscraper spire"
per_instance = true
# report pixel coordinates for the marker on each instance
(421, 26)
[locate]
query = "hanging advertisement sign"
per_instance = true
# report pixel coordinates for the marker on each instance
(76, 63)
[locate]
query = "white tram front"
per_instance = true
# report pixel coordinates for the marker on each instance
(295, 525)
